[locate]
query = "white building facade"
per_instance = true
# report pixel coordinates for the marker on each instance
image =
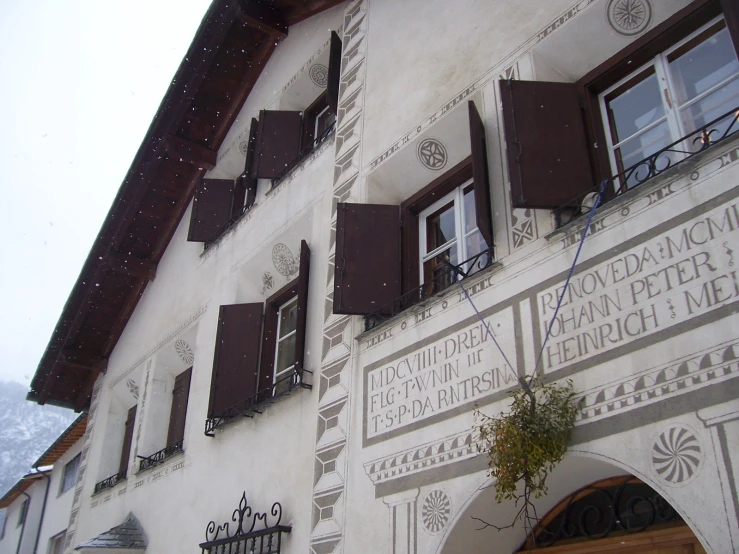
(302, 335)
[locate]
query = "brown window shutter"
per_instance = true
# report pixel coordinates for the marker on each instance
(269, 343)
(127, 440)
(302, 305)
(236, 360)
(731, 14)
(367, 264)
(483, 205)
(211, 209)
(546, 143)
(278, 142)
(178, 412)
(334, 74)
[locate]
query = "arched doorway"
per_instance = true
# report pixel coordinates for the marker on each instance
(614, 515)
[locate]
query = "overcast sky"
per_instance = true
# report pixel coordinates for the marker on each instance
(80, 81)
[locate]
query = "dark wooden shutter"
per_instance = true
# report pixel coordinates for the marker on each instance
(236, 361)
(278, 142)
(211, 209)
(731, 14)
(334, 74)
(483, 205)
(178, 412)
(127, 440)
(302, 304)
(546, 143)
(367, 264)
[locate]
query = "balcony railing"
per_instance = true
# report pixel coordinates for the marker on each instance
(110, 482)
(437, 284)
(158, 457)
(672, 155)
(256, 403)
(304, 153)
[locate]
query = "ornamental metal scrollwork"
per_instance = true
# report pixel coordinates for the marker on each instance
(241, 517)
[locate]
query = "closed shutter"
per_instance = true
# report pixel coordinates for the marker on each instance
(127, 439)
(236, 361)
(302, 305)
(334, 74)
(178, 412)
(367, 264)
(211, 209)
(731, 14)
(248, 180)
(546, 143)
(483, 205)
(278, 142)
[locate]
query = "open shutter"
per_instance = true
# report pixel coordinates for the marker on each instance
(211, 209)
(546, 143)
(483, 205)
(127, 440)
(236, 361)
(278, 142)
(248, 179)
(367, 264)
(334, 74)
(731, 14)
(302, 304)
(178, 412)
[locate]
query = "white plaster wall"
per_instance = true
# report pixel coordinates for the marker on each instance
(9, 544)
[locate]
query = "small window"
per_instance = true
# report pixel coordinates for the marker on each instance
(56, 543)
(22, 513)
(679, 91)
(287, 324)
(69, 478)
(4, 515)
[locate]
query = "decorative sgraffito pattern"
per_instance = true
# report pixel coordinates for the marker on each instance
(432, 154)
(524, 227)
(285, 263)
(436, 511)
(319, 75)
(327, 526)
(133, 388)
(420, 458)
(629, 17)
(677, 455)
(184, 351)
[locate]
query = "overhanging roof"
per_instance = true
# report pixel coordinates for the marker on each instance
(69, 437)
(128, 536)
(24, 482)
(234, 42)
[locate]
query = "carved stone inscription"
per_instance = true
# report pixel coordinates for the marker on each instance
(678, 275)
(460, 368)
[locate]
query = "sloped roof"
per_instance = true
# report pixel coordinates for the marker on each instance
(24, 482)
(128, 535)
(64, 442)
(229, 51)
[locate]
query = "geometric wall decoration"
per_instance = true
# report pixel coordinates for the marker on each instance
(184, 351)
(629, 17)
(319, 75)
(432, 154)
(677, 455)
(436, 511)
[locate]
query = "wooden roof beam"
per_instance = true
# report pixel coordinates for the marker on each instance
(86, 391)
(129, 264)
(190, 152)
(83, 359)
(262, 16)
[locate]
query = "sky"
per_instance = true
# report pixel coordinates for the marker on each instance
(80, 81)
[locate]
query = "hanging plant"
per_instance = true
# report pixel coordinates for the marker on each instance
(526, 443)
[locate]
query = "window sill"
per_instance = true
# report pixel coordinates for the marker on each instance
(259, 401)
(109, 483)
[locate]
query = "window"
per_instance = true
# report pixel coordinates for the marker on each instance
(69, 477)
(127, 440)
(390, 257)
(667, 84)
(258, 358)
(23, 512)
(56, 543)
(178, 411)
(4, 515)
(679, 91)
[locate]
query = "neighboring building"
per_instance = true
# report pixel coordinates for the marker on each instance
(314, 162)
(23, 504)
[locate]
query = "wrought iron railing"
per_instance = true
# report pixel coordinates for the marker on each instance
(263, 536)
(256, 403)
(304, 153)
(110, 482)
(672, 155)
(441, 281)
(158, 457)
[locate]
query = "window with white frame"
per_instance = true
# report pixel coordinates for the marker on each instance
(287, 324)
(681, 90)
(56, 543)
(69, 476)
(448, 234)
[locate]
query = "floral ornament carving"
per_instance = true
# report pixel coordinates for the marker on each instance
(319, 75)
(677, 455)
(244, 147)
(184, 351)
(133, 388)
(432, 154)
(629, 17)
(436, 511)
(268, 282)
(285, 263)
